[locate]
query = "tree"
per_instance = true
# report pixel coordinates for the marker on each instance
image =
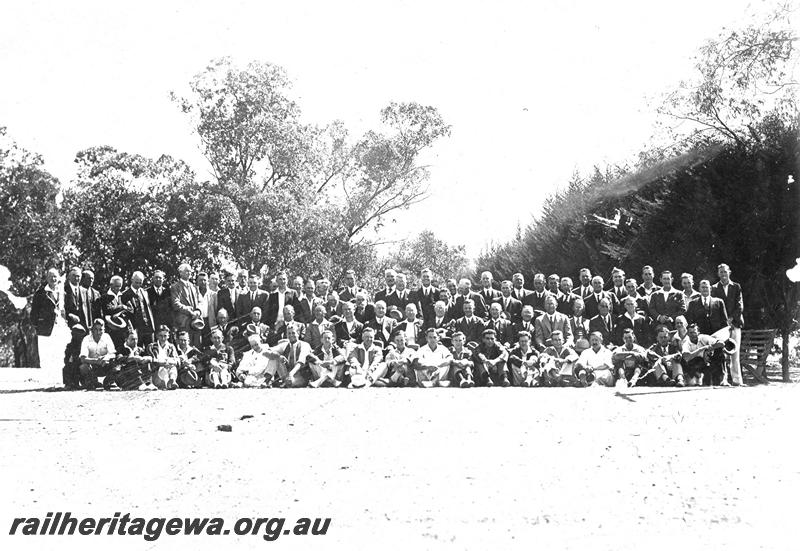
(427, 251)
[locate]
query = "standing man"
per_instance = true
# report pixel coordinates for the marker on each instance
(73, 308)
(388, 293)
(184, 299)
(252, 298)
(539, 294)
(426, 296)
(227, 294)
(207, 300)
(465, 293)
(586, 289)
(668, 303)
(350, 288)
(519, 292)
(488, 292)
(282, 296)
(307, 303)
(160, 302)
(707, 312)
(116, 312)
(647, 287)
(141, 317)
(512, 307)
(731, 294)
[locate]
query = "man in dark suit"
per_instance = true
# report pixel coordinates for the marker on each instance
(363, 311)
(115, 312)
(253, 297)
(489, 293)
(382, 324)
(471, 325)
(503, 328)
(585, 289)
(141, 317)
(642, 304)
(184, 299)
(45, 309)
(348, 330)
(307, 302)
(411, 327)
(603, 322)
(536, 298)
(159, 298)
(668, 303)
(631, 319)
(565, 300)
(512, 308)
(549, 322)
(465, 292)
(387, 294)
(707, 312)
(425, 296)
(527, 322)
(227, 294)
(592, 302)
(402, 293)
(554, 285)
(282, 296)
(519, 291)
(731, 294)
(72, 295)
(350, 289)
(73, 303)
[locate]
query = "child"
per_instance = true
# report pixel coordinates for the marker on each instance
(165, 360)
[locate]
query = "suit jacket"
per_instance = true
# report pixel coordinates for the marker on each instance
(419, 335)
(606, 329)
(544, 328)
(521, 326)
(85, 306)
(640, 326)
(579, 327)
(44, 309)
(505, 331)
(384, 331)
(211, 313)
(472, 328)
(391, 299)
(314, 332)
(290, 298)
(373, 356)
(489, 295)
(671, 304)
(142, 317)
(161, 305)
(183, 296)
(425, 302)
(295, 353)
(480, 309)
(520, 294)
(347, 296)
(72, 301)
(734, 305)
(278, 332)
(245, 304)
(365, 315)
(511, 307)
(344, 336)
(708, 320)
(620, 309)
(583, 292)
(535, 300)
(592, 303)
(305, 309)
(565, 302)
(403, 299)
(226, 298)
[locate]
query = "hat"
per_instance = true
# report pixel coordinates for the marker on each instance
(251, 328)
(78, 330)
(198, 324)
(73, 318)
(233, 331)
(487, 332)
(116, 321)
(396, 314)
(581, 345)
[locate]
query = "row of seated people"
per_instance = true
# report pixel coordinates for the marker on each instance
(695, 359)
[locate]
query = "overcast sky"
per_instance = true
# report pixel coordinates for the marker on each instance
(533, 90)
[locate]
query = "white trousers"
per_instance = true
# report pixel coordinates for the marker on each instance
(51, 352)
(736, 368)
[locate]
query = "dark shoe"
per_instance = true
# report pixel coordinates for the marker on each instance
(489, 382)
(505, 382)
(679, 381)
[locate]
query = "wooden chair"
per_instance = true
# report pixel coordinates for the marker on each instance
(753, 351)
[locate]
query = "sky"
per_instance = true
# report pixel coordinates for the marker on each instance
(534, 90)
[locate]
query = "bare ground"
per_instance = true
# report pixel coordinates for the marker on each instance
(415, 469)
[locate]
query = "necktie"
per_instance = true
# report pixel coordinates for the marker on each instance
(252, 297)
(292, 355)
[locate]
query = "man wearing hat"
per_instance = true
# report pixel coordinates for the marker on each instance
(490, 359)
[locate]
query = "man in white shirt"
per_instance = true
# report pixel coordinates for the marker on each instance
(595, 364)
(365, 361)
(397, 364)
(703, 357)
(432, 365)
(97, 349)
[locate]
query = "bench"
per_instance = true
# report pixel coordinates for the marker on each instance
(753, 351)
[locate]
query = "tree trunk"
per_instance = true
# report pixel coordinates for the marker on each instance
(785, 354)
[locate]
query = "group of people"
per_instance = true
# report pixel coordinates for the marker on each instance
(241, 329)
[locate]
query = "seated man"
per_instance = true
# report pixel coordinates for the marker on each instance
(603, 322)
(665, 360)
(504, 331)
(526, 323)
(551, 321)
(363, 311)
(293, 353)
(190, 373)
(595, 364)
(441, 323)
(365, 361)
(411, 326)
(703, 358)
(556, 362)
(629, 360)
(462, 363)
(254, 326)
(279, 331)
(398, 370)
(326, 362)
(432, 364)
(97, 351)
(219, 362)
(317, 327)
(632, 320)
(383, 325)
(523, 362)
(348, 330)
(256, 368)
(229, 331)
(489, 360)
(165, 360)
(471, 325)
(134, 372)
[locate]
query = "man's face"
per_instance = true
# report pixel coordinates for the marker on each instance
(663, 338)
(213, 281)
(527, 314)
(400, 341)
(458, 342)
(692, 331)
(255, 344)
(185, 273)
(566, 285)
(252, 283)
(361, 300)
(619, 280)
(552, 283)
(438, 308)
(401, 283)
(87, 279)
(630, 288)
(647, 275)
(445, 296)
(495, 311)
(432, 340)
(518, 280)
(367, 338)
(597, 284)
(132, 341)
(505, 288)
(488, 340)
(350, 280)
(308, 288)
(538, 284)
(686, 283)
(486, 280)
(297, 284)
(524, 341)
(291, 333)
(288, 313)
(230, 282)
(468, 309)
(327, 339)
(222, 318)
(162, 336)
(390, 279)
(628, 338)
(97, 331)
(116, 285)
(586, 278)
(241, 280)
(452, 288)
(465, 287)
(724, 273)
(322, 287)
(216, 338)
(557, 340)
(281, 280)
(426, 278)
(666, 281)
(202, 281)
(319, 313)
(596, 341)
(347, 310)
(411, 313)
(577, 308)
(255, 315)
(52, 278)
(550, 305)
(136, 281)
(380, 310)
(183, 342)
(74, 277)
(705, 288)
(603, 308)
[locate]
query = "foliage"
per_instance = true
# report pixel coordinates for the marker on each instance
(427, 251)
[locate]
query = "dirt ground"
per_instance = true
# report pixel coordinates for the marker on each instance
(414, 468)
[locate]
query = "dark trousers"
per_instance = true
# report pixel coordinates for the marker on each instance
(71, 374)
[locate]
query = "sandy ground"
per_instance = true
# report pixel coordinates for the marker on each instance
(415, 469)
